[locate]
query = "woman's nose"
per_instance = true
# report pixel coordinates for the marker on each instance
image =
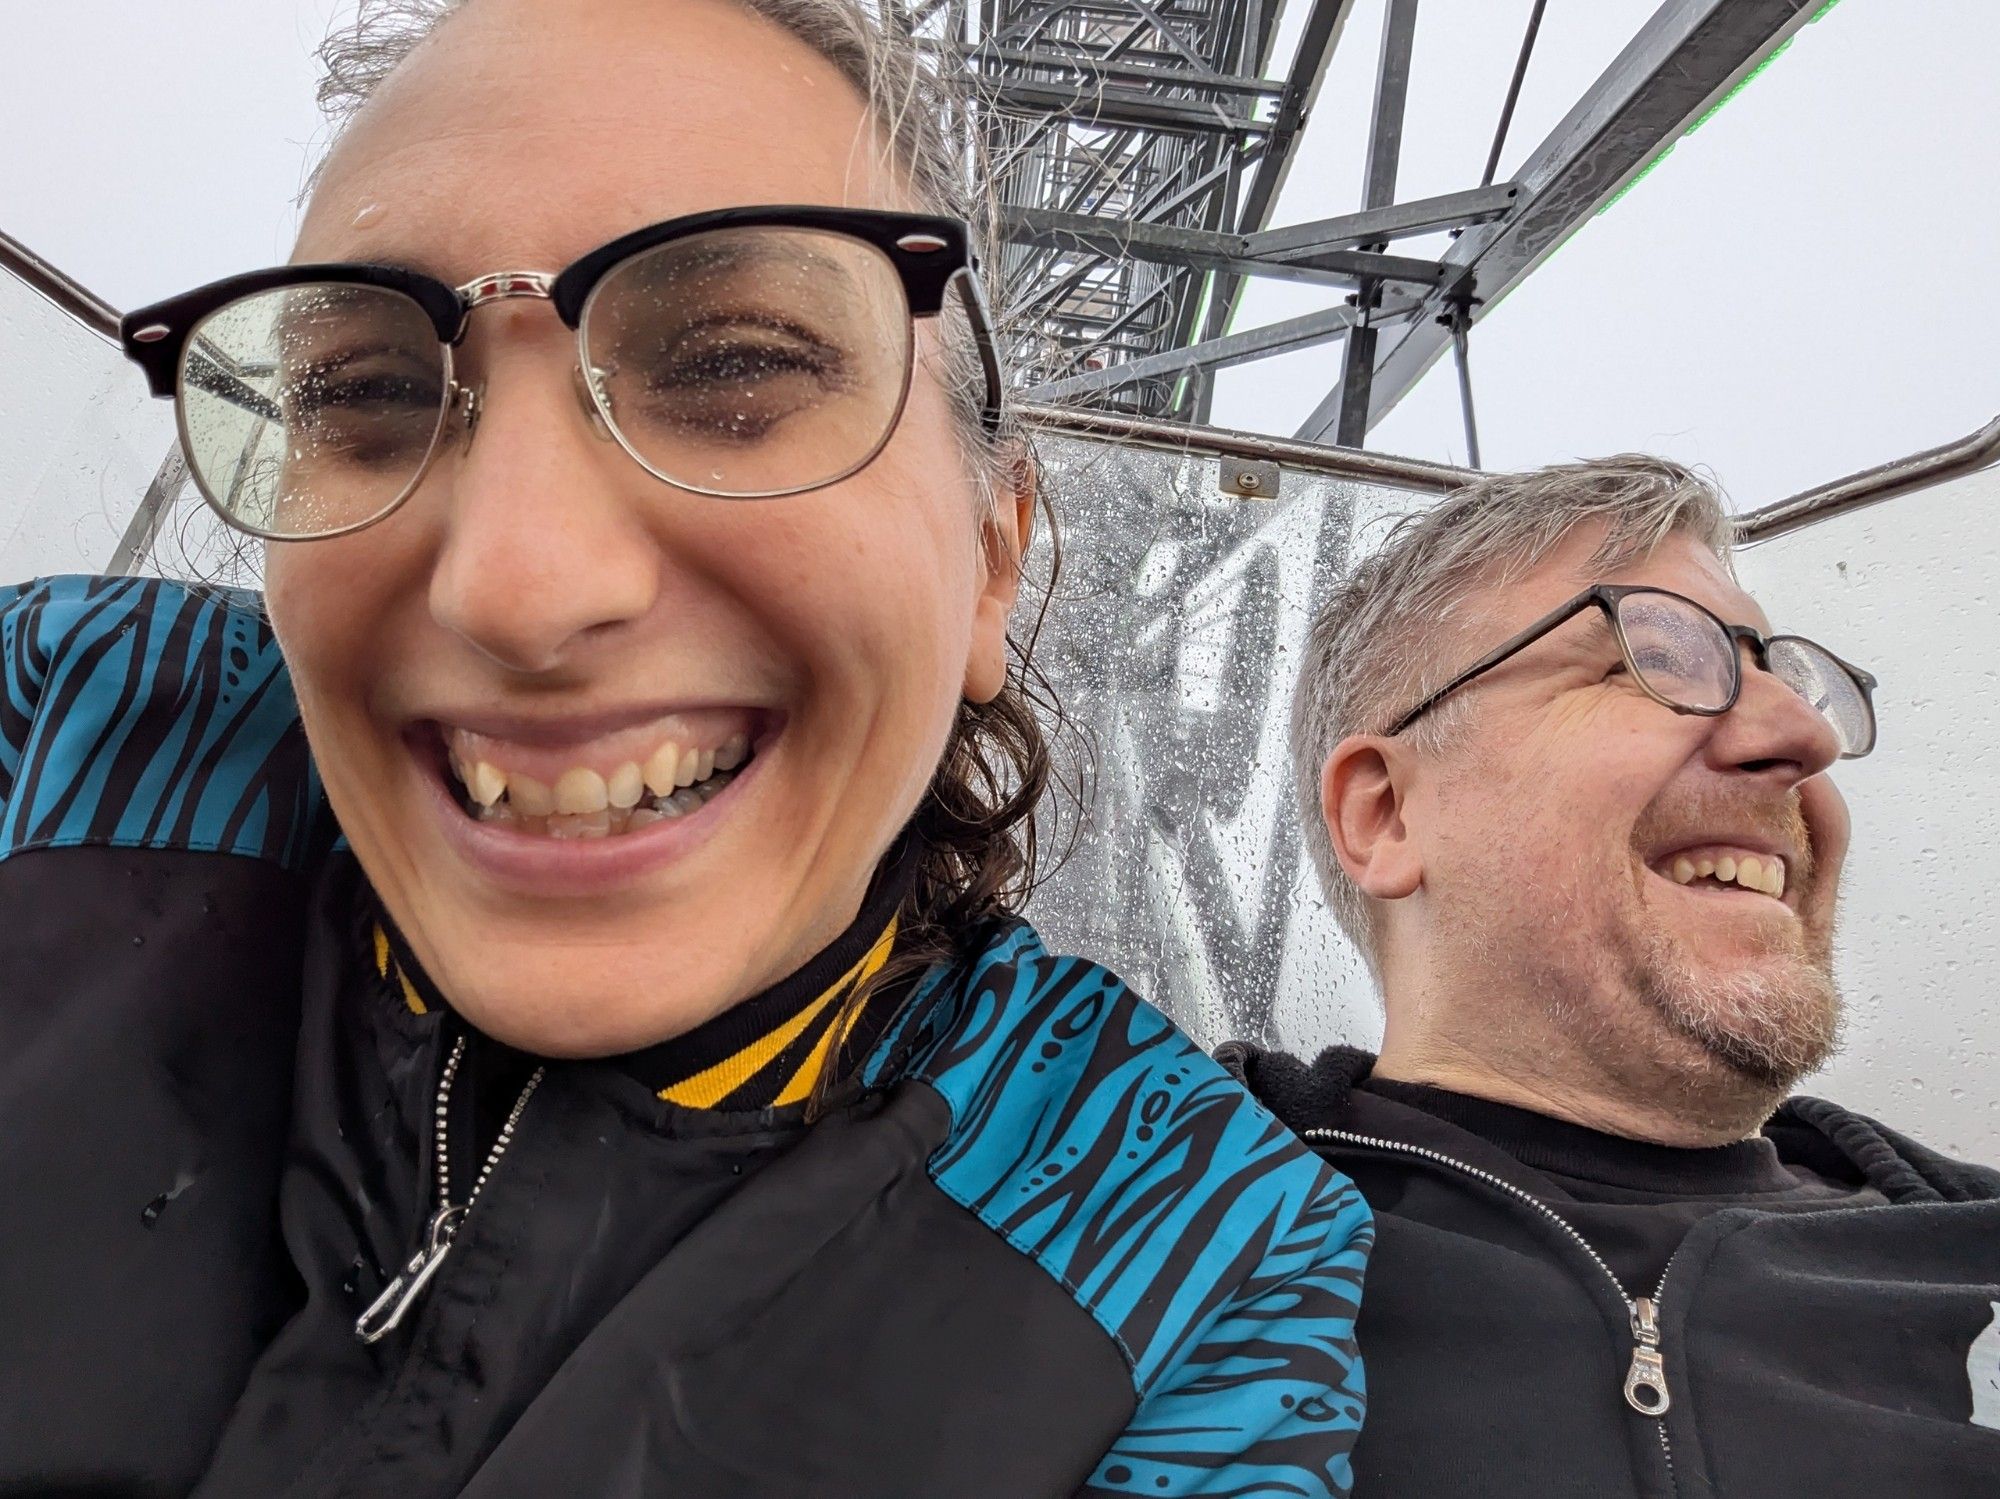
(545, 543)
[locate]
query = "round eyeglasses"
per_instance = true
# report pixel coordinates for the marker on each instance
(1685, 658)
(746, 354)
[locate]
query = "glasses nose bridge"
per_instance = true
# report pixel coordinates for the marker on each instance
(1742, 635)
(503, 286)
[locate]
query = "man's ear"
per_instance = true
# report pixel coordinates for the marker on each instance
(1004, 538)
(1363, 796)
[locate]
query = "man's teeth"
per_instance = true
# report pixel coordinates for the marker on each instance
(1760, 872)
(584, 803)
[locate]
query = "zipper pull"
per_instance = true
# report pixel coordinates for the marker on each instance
(387, 1311)
(1646, 1380)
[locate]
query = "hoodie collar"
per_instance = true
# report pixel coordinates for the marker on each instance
(1806, 1131)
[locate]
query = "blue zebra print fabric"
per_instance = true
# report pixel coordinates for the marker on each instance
(1223, 1258)
(140, 713)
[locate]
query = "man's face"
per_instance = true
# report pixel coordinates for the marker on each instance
(1579, 833)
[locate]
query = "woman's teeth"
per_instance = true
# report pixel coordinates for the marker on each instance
(586, 803)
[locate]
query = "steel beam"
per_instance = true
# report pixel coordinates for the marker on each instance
(1685, 59)
(1380, 225)
(1113, 107)
(1302, 84)
(1178, 437)
(1206, 250)
(1215, 353)
(135, 545)
(1513, 92)
(1378, 190)
(1090, 68)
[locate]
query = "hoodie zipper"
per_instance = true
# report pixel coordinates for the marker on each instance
(1645, 1388)
(386, 1312)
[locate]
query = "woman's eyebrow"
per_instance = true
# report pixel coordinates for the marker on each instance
(396, 261)
(748, 259)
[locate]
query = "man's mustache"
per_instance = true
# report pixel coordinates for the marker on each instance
(1722, 814)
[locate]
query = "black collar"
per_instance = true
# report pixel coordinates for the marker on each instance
(742, 1025)
(1812, 1132)
(405, 986)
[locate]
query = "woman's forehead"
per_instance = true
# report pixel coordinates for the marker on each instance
(526, 132)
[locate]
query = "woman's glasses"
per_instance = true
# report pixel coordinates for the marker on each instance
(746, 353)
(1682, 656)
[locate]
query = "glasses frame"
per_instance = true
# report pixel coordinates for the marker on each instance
(931, 255)
(1606, 596)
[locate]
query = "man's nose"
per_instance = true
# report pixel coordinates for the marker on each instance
(543, 543)
(1773, 730)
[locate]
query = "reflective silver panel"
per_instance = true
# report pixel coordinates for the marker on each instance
(1172, 641)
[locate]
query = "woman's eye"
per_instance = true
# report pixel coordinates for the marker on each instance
(375, 393)
(739, 365)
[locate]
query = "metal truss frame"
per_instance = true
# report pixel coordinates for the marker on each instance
(1135, 147)
(1683, 62)
(1139, 148)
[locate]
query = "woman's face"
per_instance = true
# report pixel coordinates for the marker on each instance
(544, 611)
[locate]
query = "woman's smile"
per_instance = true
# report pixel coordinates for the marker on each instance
(552, 805)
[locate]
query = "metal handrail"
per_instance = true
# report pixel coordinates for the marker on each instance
(1872, 486)
(72, 297)
(1179, 437)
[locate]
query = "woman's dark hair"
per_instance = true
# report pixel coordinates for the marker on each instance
(976, 827)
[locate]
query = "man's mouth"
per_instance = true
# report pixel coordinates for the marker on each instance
(1722, 866)
(618, 784)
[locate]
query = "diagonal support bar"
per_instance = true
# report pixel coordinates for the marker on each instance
(1686, 59)
(1207, 250)
(1215, 353)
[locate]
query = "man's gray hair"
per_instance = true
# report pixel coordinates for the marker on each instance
(1372, 653)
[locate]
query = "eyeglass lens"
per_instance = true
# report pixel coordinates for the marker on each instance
(310, 409)
(751, 361)
(741, 362)
(1685, 656)
(1826, 684)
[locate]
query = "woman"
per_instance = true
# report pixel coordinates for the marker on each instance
(639, 1083)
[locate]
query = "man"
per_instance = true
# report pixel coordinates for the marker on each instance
(1570, 797)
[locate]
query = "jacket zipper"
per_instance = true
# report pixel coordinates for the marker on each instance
(1646, 1378)
(386, 1312)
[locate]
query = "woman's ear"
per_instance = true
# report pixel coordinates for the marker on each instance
(1004, 538)
(1364, 798)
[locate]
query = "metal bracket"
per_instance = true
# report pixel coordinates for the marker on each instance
(1249, 478)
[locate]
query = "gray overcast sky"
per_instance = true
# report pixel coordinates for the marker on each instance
(1803, 287)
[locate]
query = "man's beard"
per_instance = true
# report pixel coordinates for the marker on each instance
(1770, 1024)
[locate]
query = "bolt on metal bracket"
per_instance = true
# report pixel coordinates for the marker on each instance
(1248, 477)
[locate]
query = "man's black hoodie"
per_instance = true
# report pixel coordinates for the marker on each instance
(1846, 1351)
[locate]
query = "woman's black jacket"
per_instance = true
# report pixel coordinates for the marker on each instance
(1050, 1248)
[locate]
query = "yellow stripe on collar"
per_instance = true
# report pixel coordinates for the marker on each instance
(385, 961)
(712, 1085)
(708, 1088)
(800, 1086)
